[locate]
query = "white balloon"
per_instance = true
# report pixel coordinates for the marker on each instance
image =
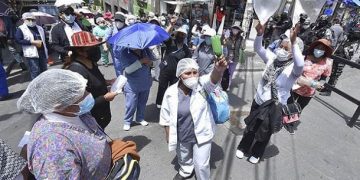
(265, 9)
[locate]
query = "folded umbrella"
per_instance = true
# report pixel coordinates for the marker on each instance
(139, 36)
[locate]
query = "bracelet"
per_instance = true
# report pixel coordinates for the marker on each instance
(313, 84)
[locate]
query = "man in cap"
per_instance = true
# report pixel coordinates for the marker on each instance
(119, 22)
(60, 34)
(204, 54)
(32, 39)
(175, 50)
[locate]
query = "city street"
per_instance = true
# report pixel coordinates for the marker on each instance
(324, 147)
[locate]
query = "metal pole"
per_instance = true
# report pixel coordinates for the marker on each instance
(355, 117)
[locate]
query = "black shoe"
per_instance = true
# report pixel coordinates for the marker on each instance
(179, 177)
(325, 93)
(291, 131)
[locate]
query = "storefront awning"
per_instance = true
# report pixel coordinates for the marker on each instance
(186, 2)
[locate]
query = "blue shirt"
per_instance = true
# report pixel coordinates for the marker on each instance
(140, 80)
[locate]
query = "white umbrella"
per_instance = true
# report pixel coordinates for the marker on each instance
(83, 10)
(59, 3)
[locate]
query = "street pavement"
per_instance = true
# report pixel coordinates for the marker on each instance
(324, 147)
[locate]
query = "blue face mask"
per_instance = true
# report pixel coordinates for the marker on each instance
(69, 19)
(208, 41)
(86, 105)
(318, 53)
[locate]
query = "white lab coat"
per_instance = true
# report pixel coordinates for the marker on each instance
(204, 125)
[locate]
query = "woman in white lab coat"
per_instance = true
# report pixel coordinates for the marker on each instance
(188, 119)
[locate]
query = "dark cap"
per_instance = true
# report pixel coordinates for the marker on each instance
(66, 9)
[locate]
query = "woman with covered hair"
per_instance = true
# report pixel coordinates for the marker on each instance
(101, 32)
(317, 65)
(187, 117)
(66, 142)
(282, 69)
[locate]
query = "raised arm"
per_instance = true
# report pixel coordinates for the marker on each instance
(258, 47)
(297, 54)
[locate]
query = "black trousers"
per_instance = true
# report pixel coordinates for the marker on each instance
(302, 100)
(166, 79)
(337, 70)
(245, 144)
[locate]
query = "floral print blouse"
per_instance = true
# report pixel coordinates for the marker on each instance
(314, 71)
(58, 150)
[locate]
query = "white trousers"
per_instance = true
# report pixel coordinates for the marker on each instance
(194, 156)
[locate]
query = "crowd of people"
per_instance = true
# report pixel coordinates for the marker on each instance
(74, 102)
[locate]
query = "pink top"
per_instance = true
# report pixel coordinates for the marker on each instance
(314, 71)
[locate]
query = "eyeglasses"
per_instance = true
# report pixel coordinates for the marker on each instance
(32, 20)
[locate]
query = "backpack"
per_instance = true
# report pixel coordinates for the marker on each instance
(126, 168)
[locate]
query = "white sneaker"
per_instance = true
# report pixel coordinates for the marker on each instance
(126, 127)
(144, 123)
(239, 154)
(158, 106)
(254, 160)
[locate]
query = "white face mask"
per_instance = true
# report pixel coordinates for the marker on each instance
(318, 53)
(163, 23)
(191, 83)
(282, 54)
(131, 21)
(30, 23)
(119, 24)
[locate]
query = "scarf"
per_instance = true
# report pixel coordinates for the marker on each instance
(272, 73)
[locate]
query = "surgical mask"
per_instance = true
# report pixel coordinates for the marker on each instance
(306, 26)
(208, 41)
(30, 23)
(163, 23)
(191, 83)
(318, 53)
(119, 24)
(131, 21)
(235, 31)
(282, 54)
(86, 105)
(69, 19)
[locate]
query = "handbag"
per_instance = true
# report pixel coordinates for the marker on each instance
(291, 113)
(219, 105)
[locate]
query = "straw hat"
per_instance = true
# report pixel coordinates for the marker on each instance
(326, 43)
(84, 39)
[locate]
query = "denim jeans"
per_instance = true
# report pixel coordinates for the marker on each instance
(37, 65)
(4, 90)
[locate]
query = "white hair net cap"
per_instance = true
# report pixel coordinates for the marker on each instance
(185, 65)
(54, 89)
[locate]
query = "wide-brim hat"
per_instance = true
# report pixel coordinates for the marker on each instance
(209, 32)
(326, 43)
(181, 30)
(84, 39)
(28, 15)
(237, 25)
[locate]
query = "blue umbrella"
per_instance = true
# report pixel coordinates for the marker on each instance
(139, 36)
